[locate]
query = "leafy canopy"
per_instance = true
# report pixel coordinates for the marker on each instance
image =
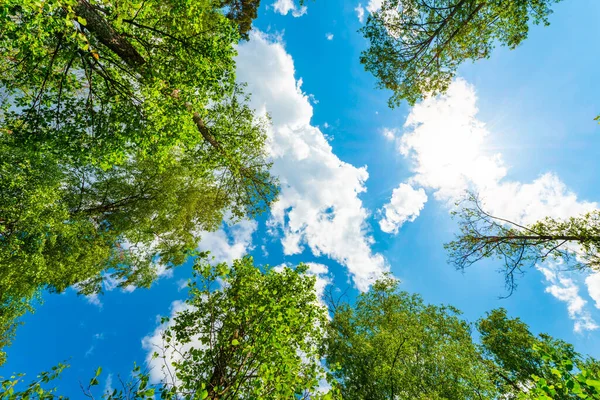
(246, 332)
(416, 46)
(123, 136)
(390, 345)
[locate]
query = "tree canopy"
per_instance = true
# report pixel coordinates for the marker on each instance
(525, 366)
(249, 332)
(123, 136)
(246, 333)
(391, 345)
(415, 46)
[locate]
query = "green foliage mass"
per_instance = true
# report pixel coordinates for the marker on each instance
(257, 337)
(123, 136)
(416, 46)
(246, 333)
(521, 361)
(391, 345)
(251, 332)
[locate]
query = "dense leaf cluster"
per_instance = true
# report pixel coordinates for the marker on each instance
(123, 136)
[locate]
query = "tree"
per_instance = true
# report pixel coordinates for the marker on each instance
(530, 367)
(390, 345)
(122, 136)
(575, 241)
(257, 337)
(416, 46)
(246, 333)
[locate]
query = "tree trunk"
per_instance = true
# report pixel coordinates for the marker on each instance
(104, 32)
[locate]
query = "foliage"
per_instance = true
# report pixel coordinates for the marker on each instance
(257, 337)
(34, 390)
(579, 379)
(416, 46)
(122, 136)
(246, 333)
(574, 241)
(520, 360)
(390, 345)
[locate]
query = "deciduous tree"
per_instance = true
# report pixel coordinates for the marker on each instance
(390, 345)
(416, 46)
(123, 135)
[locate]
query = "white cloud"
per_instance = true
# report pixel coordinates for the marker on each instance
(94, 299)
(321, 272)
(360, 13)
(283, 7)
(405, 205)
(374, 5)
(329, 36)
(230, 242)
(593, 284)
(319, 204)
(566, 290)
(446, 144)
(389, 133)
(448, 148)
(161, 368)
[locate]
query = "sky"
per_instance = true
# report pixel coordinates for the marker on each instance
(366, 189)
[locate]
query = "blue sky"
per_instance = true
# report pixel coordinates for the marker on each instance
(518, 128)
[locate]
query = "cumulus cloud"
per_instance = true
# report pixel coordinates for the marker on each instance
(449, 153)
(283, 7)
(405, 205)
(161, 367)
(445, 144)
(566, 290)
(360, 13)
(230, 242)
(593, 284)
(448, 149)
(319, 205)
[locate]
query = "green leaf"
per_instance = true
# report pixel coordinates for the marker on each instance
(594, 383)
(81, 20)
